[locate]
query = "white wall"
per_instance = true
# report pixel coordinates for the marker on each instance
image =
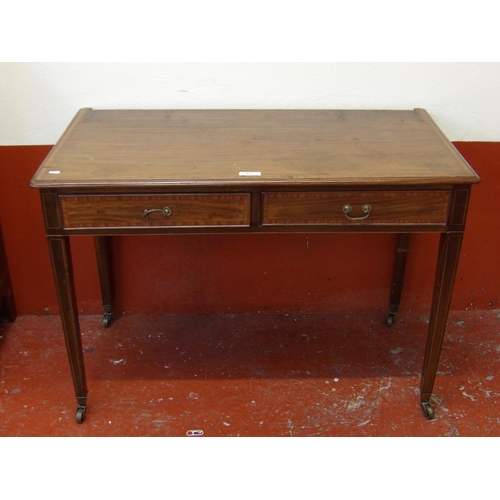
(37, 100)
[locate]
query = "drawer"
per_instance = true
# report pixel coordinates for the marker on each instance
(176, 210)
(356, 207)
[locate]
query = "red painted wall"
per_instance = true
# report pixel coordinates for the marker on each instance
(249, 273)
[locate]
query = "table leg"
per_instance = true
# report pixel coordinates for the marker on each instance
(60, 255)
(8, 310)
(104, 265)
(449, 253)
(398, 274)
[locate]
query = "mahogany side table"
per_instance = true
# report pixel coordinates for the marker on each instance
(123, 172)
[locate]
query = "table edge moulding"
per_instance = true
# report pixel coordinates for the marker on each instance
(120, 172)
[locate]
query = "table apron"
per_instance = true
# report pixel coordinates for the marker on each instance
(256, 211)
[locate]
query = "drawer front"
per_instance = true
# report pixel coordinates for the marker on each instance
(356, 207)
(176, 210)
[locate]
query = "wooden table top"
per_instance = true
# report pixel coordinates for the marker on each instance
(236, 147)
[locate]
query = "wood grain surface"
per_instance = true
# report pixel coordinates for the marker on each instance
(192, 147)
(185, 210)
(387, 207)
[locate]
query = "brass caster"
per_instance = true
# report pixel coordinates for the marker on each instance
(80, 414)
(106, 320)
(428, 410)
(390, 319)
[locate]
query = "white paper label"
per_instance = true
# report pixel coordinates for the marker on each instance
(250, 174)
(54, 172)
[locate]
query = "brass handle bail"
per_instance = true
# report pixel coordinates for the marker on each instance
(347, 209)
(166, 211)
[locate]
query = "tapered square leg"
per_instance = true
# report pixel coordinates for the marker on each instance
(449, 253)
(60, 255)
(403, 243)
(104, 265)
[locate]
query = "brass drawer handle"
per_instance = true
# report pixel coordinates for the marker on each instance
(166, 211)
(366, 210)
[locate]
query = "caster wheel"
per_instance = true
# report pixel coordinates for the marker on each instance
(80, 414)
(428, 411)
(106, 320)
(390, 319)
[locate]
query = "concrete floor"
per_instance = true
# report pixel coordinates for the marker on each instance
(251, 375)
